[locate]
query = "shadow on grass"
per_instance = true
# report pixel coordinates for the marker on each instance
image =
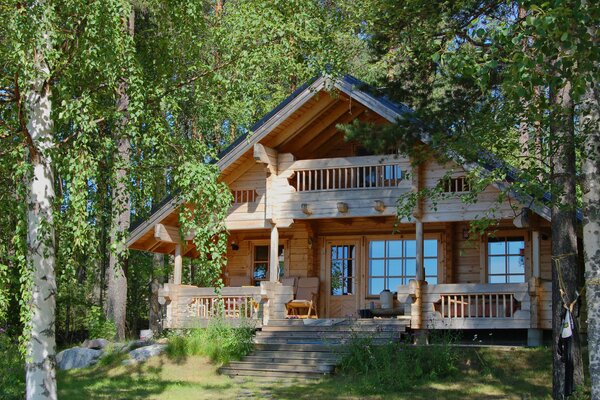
(483, 374)
(136, 381)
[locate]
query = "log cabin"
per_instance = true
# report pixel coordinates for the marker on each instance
(308, 203)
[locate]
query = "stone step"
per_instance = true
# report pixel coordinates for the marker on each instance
(325, 356)
(337, 328)
(338, 322)
(317, 340)
(312, 348)
(283, 359)
(329, 335)
(272, 374)
(293, 367)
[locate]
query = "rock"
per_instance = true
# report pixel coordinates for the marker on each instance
(136, 344)
(97, 344)
(120, 347)
(77, 357)
(144, 353)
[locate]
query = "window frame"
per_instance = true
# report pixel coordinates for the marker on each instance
(355, 268)
(402, 237)
(252, 259)
(505, 236)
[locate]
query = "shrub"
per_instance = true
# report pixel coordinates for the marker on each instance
(12, 378)
(396, 366)
(98, 326)
(220, 342)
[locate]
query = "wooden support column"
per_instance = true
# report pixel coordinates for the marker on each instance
(534, 334)
(274, 255)
(420, 244)
(177, 271)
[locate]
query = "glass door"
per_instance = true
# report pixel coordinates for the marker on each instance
(342, 278)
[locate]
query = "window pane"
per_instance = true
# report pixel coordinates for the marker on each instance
(431, 280)
(516, 278)
(410, 267)
(430, 248)
(349, 268)
(336, 286)
(516, 265)
(394, 267)
(410, 248)
(495, 247)
(497, 278)
(393, 284)
(394, 248)
(376, 267)
(260, 271)
(348, 287)
(376, 249)
(334, 254)
(497, 264)
(430, 266)
(376, 285)
(261, 253)
(516, 246)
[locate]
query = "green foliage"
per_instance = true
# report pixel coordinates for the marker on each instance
(396, 366)
(98, 326)
(12, 378)
(220, 342)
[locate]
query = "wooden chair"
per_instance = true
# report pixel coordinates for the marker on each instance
(306, 298)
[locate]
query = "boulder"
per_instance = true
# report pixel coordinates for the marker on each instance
(77, 357)
(136, 344)
(143, 353)
(97, 344)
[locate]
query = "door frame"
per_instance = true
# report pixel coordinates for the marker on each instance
(325, 273)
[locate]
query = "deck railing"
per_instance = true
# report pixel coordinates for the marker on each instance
(350, 177)
(478, 305)
(228, 307)
(468, 305)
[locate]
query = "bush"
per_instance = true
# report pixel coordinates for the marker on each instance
(396, 366)
(12, 378)
(219, 342)
(98, 326)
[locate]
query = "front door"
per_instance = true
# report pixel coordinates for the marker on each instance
(342, 262)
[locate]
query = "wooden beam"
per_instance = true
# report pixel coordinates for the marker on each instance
(419, 250)
(178, 268)
(274, 255)
(238, 171)
(302, 138)
(307, 117)
(165, 233)
(329, 132)
(266, 155)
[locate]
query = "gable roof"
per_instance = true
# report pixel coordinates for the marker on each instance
(356, 90)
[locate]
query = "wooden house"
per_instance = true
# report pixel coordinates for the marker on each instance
(308, 203)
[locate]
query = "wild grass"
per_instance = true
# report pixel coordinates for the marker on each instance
(396, 366)
(12, 367)
(220, 342)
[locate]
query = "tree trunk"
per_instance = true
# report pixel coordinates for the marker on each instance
(116, 309)
(41, 348)
(591, 228)
(564, 234)
(154, 316)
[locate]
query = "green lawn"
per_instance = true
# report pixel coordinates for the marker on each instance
(484, 374)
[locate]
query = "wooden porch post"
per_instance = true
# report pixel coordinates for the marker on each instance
(419, 239)
(274, 255)
(534, 334)
(177, 271)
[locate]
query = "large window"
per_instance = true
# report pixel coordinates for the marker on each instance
(261, 261)
(394, 262)
(506, 260)
(343, 259)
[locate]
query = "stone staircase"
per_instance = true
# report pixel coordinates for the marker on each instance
(309, 349)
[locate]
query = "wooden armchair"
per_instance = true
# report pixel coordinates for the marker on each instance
(305, 300)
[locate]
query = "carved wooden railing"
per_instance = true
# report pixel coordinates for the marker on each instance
(206, 307)
(469, 306)
(354, 177)
(478, 305)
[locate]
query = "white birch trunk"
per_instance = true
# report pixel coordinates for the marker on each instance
(591, 230)
(41, 348)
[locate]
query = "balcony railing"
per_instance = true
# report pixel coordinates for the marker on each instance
(353, 177)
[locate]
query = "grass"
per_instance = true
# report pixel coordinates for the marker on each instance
(486, 373)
